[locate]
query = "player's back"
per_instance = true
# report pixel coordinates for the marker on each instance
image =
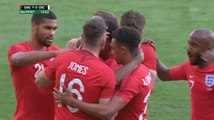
(87, 77)
(135, 90)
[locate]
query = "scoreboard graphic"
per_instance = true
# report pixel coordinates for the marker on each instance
(34, 9)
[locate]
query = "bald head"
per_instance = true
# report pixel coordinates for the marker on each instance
(200, 41)
(204, 36)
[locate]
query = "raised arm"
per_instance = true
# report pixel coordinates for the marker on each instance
(163, 71)
(27, 58)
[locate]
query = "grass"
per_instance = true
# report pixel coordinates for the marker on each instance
(167, 22)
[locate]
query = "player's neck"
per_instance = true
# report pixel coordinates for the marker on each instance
(203, 65)
(93, 50)
(33, 43)
(128, 59)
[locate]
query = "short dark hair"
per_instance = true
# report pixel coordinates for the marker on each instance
(128, 37)
(110, 20)
(133, 19)
(93, 29)
(39, 18)
(106, 16)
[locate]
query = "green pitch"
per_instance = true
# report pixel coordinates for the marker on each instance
(168, 22)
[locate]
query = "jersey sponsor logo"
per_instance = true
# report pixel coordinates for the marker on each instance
(209, 80)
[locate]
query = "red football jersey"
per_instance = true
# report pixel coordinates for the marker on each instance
(135, 90)
(86, 76)
(112, 63)
(201, 84)
(33, 103)
(149, 56)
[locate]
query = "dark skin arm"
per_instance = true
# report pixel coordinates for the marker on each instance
(27, 58)
(163, 71)
(104, 111)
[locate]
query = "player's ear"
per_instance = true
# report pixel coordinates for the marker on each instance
(123, 49)
(142, 32)
(103, 42)
(82, 38)
(33, 25)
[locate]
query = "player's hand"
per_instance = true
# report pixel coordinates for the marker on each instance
(149, 42)
(208, 56)
(63, 97)
(73, 44)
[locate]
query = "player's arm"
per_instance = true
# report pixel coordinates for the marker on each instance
(122, 72)
(163, 71)
(150, 61)
(27, 58)
(42, 80)
(154, 78)
(104, 111)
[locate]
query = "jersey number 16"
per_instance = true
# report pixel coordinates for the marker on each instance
(72, 90)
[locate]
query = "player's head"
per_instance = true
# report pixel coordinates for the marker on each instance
(199, 41)
(94, 32)
(44, 28)
(133, 19)
(125, 43)
(110, 20)
(112, 24)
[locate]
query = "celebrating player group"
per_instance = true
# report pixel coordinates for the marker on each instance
(107, 73)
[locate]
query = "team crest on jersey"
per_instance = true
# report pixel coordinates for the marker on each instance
(209, 80)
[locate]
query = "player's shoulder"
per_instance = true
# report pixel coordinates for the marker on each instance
(135, 79)
(106, 67)
(103, 68)
(147, 45)
(185, 66)
(54, 47)
(22, 46)
(68, 53)
(141, 71)
(186, 63)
